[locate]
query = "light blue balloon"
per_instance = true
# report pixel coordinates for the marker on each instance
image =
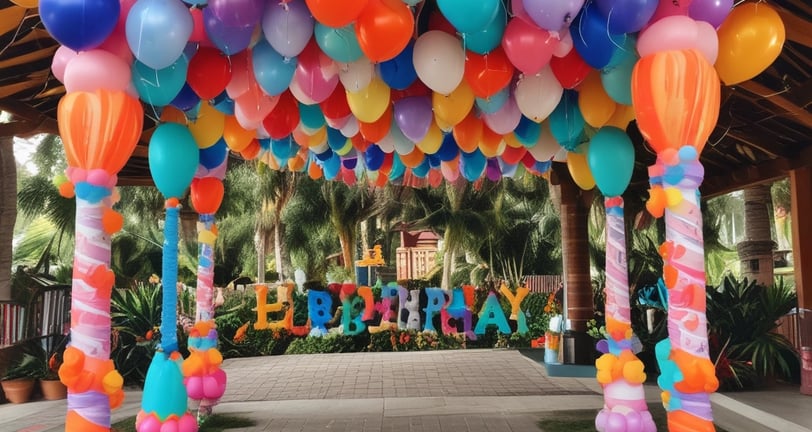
(398, 169)
(469, 16)
(157, 31)
(272, 71)
(472, 165)
(485, 41)
(340, 44)
(495, 102)
(422, 170)
(164, 392)
(527, 132)
(285, 148)
(332, 166)
(567, 122)
(159, 87)
(611, 160)
(173, 159)
(335, 139)
(311, 116)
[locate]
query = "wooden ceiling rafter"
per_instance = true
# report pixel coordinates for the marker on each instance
(777, 98)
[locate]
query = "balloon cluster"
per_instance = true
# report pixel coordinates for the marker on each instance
(330, 87)
(203, 377)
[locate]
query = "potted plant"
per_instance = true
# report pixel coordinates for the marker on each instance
(18, 382)
(52, 388)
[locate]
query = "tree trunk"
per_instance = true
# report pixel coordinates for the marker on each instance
(8, 212)
(261, 241)
(756, 251)
(345, 238)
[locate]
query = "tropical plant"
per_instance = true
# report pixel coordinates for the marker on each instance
(136, 315)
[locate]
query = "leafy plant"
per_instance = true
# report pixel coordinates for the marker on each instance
(331, 343)
(29, 366)
(136, 314)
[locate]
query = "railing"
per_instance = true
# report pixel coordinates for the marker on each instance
(47, 315)
(543, 283)
(414, 263)
(796, 326)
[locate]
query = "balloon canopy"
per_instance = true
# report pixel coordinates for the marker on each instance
(394, 87)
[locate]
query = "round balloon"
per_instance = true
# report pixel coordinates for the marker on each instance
(467, 16)
(339, 44)
(173, 159)
(552, 15)
(158, 30)
(484, 41)
(384, 28)
(272, 71)
(538, 95)
(79, 25)
(750, 40)
(611, 160)
(439, 61)
(288, 26)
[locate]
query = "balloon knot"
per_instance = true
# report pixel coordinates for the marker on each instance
(172, 203)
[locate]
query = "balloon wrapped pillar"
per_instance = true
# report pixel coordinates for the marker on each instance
(620, 372)
(205, 381)
(676, 99)
(100, 130)
(173, 159)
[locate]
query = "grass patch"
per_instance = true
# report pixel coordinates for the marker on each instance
(215, 423)
(584, 420)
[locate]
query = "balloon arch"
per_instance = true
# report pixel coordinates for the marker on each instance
(385, 89)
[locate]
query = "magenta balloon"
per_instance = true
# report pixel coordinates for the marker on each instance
(667, 8)
(288, 27)
(553, 15)
(413, 116)
(712, 12)
(316, 74)
(237, 13)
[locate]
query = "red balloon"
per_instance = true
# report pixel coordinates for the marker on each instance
(284, 117)
(437, 21)
(513, 155)
(384, 28)
(199, 30)
(336, 106)
(528, 46)
(570, 70)
(207, 194)
(488, 74)
(251, 151)
(209, 73)
(418, 88)
(334, 13)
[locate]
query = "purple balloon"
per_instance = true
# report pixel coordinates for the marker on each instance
(228, 39)
(553, 15)
(627, 16)
(713, 12)
(504, 120)
(493, 171)
(288, 27)
(413, 116)
(237, 13)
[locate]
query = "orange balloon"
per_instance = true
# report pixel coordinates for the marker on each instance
(207, 194)
(100, 129)
(251, 151)
(468, 132)
(171, 114)
(413, 159)
(676, 99)
(488, 74)
(596, 106)
(453, 108)
(334, 13)
(491, 144)
(384, 28)
(314, 171)
(750, 39)
(377, 130)
(235, 136)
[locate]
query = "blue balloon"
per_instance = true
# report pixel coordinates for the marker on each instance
(472, 165)
(527, 132)
(340, 44)
(422, 170)
(611, 160)
(272, 71)
(79, 25)
(228, 39)
(566, 121)
(349, 163)
(159, 87)
(433, 161)
(173, 159)
(186, 99)
(285, 148)
(495, 102)
(326, 154)
(399, 73)
(311, 116)
(448, 149)
(331, 166)
(616, 77)
(469, 16)
(212, 156)
(373, 157)
(193, 112)
(335, 139)
(486, 40)
(591, 38)
(223, 103)
(627, 16)
(158, 31)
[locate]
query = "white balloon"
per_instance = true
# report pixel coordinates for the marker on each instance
(439, 61)
(538, 95)
(350, 129)
(561, 156)
(546, 147)
(357, 75)
(299, 94)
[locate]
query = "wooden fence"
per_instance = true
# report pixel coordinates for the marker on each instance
(543, 283)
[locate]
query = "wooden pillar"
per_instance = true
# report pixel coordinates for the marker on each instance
(8, 211)
(800, 185)
(578, 282)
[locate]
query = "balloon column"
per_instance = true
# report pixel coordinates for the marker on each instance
(205, 381)
(620, 372)
(173, 159)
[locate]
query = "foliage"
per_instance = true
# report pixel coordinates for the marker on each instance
(331, 343)
(742, 316)
(136, 316)
(412, 340)
(596, 330)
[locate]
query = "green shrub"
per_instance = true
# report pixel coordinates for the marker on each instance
(331, 343)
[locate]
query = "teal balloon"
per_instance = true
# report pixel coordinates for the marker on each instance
(164, 392)
(311, 116)
(472, 165)
(617, 76)
(527, 132)
(611, 160)
(398, 169)
(567, 122)
(495, 102)
(272, 71)
(158, 87)
(332, 166)
(173, 159)
(486, 40)
(469, 16)
(285, 148)
(340, 44)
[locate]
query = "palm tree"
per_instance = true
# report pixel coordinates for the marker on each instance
(756, 251)
(275, 190)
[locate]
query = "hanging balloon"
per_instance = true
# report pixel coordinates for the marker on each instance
(398, 73)
(595, 105)
(468, 17)
(311, 116)
(712, 12)
(272, 71)
(491, 144)
(336, 106)
(570, 70)
(506, 119)
(494, 103)
(528, 47)
(158, 30)
(62, 57)
(285, 148)
(453, 108)
(552, 15)
(430, 144)
(617, 78)
(284, 117)
(159, 87)
(538, 95)
(448, 149)
(373, 158)
(357, 75)
(667, 8)
(439, 61)
(611, 160)
(384, 28)
(546, 147)
(682, 113)
(472, 165)
(488, 74)
(96, 69)
(186, 100)
(679, 32)
(626, 16)
(336, 14)
(228, 39)
(80, 25)
(750, 40)
(593, 42)
(376, 130)
(527, 131)
(468, 133)
(414, 117)
(566, 121)
(484, 41)
(208, 127)
(339, 44)
(207, 194)
(316, 74)
(237, 13)
(173, 159)
(287, 27)
(579, 168)
(370, 103)
(209, 72)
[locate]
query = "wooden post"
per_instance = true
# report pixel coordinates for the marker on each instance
(8, 211)
(800, 184)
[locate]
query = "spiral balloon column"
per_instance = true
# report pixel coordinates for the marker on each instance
(676, 99)
(620, 372)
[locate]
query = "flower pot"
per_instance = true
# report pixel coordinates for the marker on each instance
(18, 390)
(53, 389)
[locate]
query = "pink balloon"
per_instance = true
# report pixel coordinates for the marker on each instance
(316, 73)
(116, 44)
(96, 69)
(450, 173)
(149, 424)
(517, 11)
(528, 46)
(62, 57)
(187, 423)
(679, 32)
(194, 388)
(504, 120)
(668, 8)
(339, 122)
(242, 70)
(211, 388)
(564, 46)
(170, 425)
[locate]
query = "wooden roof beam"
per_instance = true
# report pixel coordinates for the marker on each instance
(795, 112)
(31, 121)
(798, 29)
(770, 171)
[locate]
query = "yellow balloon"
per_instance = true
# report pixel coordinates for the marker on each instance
(454, 107)
(28, 4)
(369, 103)
(623, 115)
(750, 39)
(596, 106)
(445, 127)
(430, 144)
(512, 141)
(490, 151)
(208, 128)
(343, 151)
(318, 138)
(579, 168)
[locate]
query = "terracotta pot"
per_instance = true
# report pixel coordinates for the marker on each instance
(18, 390)
(53, 389)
